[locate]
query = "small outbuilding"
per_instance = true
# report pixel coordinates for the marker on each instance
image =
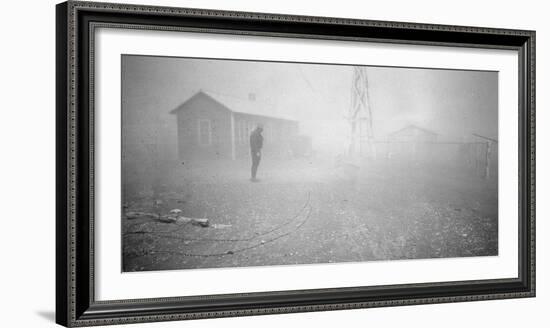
(412, 143)
(412, 134)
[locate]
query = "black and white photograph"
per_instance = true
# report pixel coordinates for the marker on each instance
(245, 164)
(238, 163)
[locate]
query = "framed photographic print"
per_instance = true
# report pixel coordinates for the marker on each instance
(214, 163)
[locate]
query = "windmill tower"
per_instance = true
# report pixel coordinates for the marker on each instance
(360, 116)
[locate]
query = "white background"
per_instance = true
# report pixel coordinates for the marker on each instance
(28, 159)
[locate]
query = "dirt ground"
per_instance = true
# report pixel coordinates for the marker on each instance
(305, 211)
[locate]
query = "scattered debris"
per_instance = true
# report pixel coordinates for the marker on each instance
(168, 219)
(137, 215)
(173, 218)
(200, 222)
(183, 219)
(221, 226)
(132, 215)
(194, 221)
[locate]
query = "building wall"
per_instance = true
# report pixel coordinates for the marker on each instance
(279, 135)
(413, 144)
(204, 130)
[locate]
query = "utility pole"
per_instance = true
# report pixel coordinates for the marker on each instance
(360, 116)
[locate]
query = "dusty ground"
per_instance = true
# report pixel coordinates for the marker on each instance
(308, 212)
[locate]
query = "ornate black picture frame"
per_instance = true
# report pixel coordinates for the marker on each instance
(75, 301)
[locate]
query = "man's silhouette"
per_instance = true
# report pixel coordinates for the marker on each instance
(256, 143)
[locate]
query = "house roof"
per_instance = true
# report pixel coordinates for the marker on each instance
(235, 105)
(412, 126)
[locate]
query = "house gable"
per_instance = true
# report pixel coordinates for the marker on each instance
(199, 101)
(413, 133)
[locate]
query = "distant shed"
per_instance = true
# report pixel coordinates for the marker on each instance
(413, 134)
(412, 143)
(209, 128)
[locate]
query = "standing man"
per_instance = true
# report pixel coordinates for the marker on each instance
(256, 143)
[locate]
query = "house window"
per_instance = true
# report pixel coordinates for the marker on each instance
(205, 132)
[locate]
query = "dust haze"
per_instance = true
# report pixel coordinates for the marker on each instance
(355, 163)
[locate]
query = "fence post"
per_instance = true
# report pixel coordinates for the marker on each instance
(487, 160)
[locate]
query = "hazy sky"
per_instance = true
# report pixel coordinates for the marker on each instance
(454, 104)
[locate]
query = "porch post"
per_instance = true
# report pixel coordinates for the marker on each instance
(233, 157)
